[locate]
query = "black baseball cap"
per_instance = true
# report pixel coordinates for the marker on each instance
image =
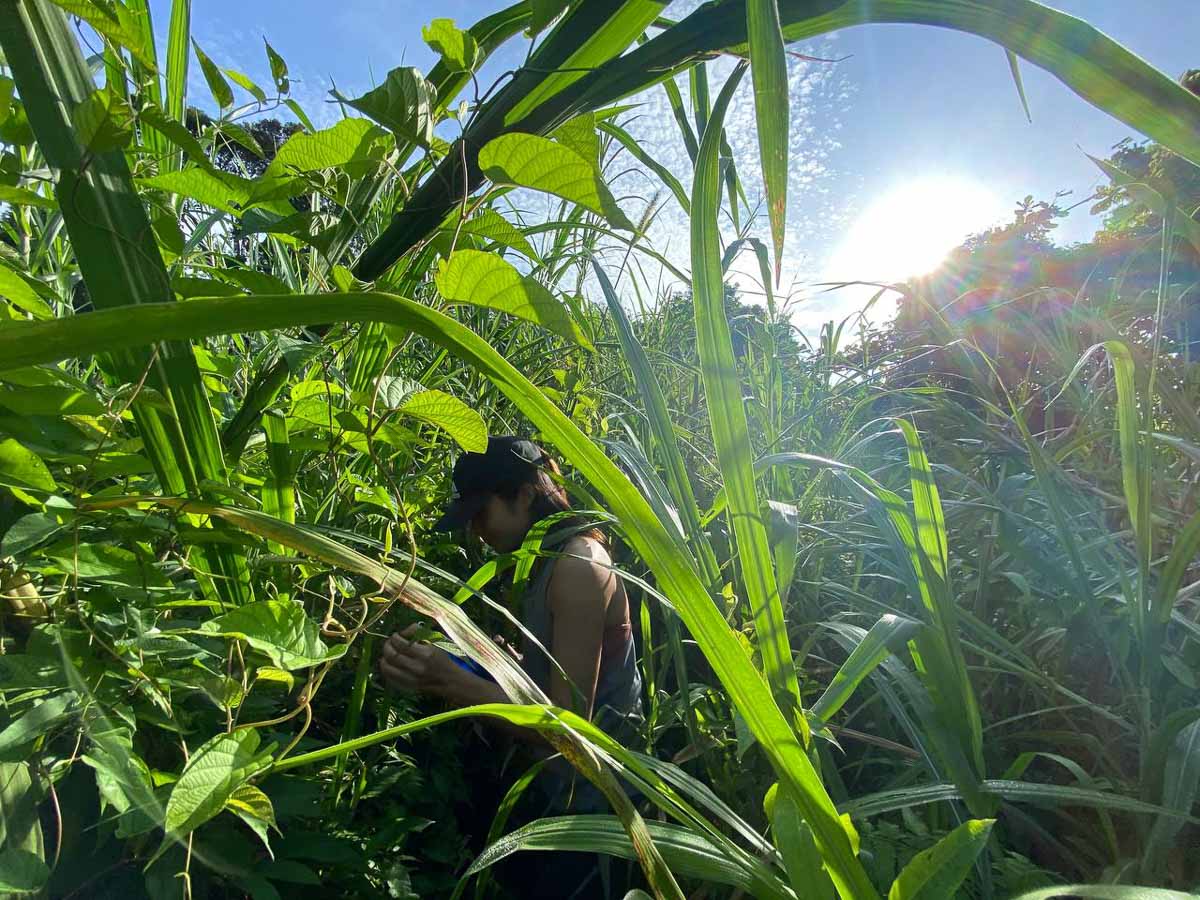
(508, 462)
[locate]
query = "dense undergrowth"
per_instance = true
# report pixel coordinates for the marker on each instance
(917, 609)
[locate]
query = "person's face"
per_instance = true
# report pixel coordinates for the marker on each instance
(502, 523)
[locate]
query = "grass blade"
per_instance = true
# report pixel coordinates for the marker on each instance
(768, 69)
(662, 429)
(727, 414)
(937, 873)
(179, 36)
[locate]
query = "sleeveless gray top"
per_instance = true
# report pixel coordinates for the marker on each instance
(617, 708)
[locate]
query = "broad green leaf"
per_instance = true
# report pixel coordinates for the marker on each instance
(34, 723)
(22, 872)
(247, 84)
(50, 400)
(768, 70)
(213, 772)
(254, 808)
(28, 531)
(18, 196)
(17, 291)
(104, 562)
(122, 778)
(457, 48)
(490, 225)
(217, 84)
(275, 676)
(279, 628)
(279, 69)
(449, 413)
(223, 191)
(20, 826)
(938, 873)
(20, 467)
(488, 280)
(579, 134)
(103, 122)
(403, 104)
(349, 141)
(241, 136)
(539, 163)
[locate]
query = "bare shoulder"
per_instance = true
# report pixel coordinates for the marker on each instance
(583, 572)
(586, 550)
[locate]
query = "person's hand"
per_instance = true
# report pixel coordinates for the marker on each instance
(409, 665)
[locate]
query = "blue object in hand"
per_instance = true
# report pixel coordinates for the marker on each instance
(471, 666)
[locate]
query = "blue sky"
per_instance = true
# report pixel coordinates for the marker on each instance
(905, 104)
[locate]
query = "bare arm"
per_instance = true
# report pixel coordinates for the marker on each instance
(579, 593)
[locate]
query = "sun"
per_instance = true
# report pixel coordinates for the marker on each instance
(910, 229)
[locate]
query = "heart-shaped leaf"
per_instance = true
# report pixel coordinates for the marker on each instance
(278, 628)
(485, 279)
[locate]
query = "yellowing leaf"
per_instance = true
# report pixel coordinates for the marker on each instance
(485, 279)
(449, 413)
(528, 160)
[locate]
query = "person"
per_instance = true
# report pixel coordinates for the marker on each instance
(574, 605)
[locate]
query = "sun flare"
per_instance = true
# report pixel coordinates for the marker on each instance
(909, 230)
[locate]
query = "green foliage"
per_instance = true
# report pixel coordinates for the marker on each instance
(946, 569)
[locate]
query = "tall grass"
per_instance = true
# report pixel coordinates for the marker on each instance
(822, 634)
